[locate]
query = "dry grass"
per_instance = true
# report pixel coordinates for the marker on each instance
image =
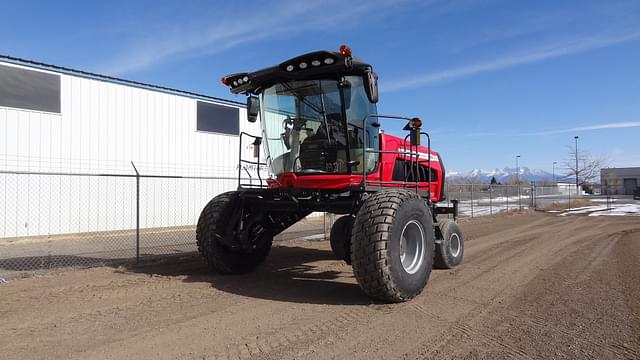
(566, 205)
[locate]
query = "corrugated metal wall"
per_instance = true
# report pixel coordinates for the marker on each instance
(102, 128)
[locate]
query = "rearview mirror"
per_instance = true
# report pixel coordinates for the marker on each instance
(253, 108)
(371, 85)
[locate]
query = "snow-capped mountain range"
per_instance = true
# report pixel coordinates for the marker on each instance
(501, 175)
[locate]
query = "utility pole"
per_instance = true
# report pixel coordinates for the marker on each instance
(517, 170)
(577, 186)
(554, 172)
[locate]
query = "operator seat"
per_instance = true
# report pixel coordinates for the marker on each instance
(317, 152)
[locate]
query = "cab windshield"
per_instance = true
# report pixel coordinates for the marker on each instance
(306, 132)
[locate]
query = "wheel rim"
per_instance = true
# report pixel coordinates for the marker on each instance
(454, 245)
(412, 247)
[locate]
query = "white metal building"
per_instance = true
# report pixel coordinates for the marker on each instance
(55, 120)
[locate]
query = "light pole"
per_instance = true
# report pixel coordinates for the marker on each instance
(517, 170)
(554, 172)
(577, 188)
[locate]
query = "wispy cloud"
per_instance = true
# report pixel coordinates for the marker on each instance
(605, 126)
(275, 18)
(548, 51)
(616, 125)
(223, 33)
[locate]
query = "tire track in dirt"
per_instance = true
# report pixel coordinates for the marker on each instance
(113, 311)
(276, 340)
(416, 305)
(475, 311)
(267, 336)
(537, 285)
(430, 301)
(587, 257)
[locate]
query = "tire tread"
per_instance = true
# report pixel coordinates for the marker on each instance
(218, 257)
(369, 242)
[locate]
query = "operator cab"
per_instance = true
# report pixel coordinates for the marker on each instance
(318, 112)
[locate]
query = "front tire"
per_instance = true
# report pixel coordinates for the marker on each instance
(340, 237)
(392, 245)
(214, 226)
(450, 248)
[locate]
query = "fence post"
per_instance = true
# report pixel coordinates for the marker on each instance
(532, 195)
(446, 191)
(137, 212)
(324, 225)
(507, 187)
(490, 200)
(471, 200)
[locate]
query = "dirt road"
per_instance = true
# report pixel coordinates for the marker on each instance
(531, 286)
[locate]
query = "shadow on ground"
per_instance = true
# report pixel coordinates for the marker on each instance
(31, 263)
(290, 274)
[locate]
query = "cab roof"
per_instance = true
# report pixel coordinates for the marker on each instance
(313, 65)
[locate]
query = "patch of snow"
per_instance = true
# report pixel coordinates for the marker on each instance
(583, 210)
(620, 210)
(602, 210)
(600, 200)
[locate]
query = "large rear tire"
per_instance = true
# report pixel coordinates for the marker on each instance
(392, 245)
(340, 237)
(214, 225)
(450, 248)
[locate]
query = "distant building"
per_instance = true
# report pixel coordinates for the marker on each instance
(620, 181)
(568, 188)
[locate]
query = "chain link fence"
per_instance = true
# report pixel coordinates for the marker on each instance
(484, 199)
(54, 220)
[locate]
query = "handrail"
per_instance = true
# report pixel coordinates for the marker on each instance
(411, 154)
(240, 161)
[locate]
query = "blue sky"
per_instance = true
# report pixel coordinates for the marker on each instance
(491, 79)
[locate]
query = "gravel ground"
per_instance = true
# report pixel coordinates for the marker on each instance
(532, 285)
